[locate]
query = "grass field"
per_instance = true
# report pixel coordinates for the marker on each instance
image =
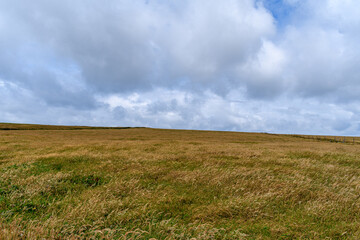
(78, 182)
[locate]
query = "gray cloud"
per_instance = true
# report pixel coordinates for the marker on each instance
(238, 65)
(123, 46)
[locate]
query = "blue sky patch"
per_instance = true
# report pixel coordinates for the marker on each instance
(281, 10)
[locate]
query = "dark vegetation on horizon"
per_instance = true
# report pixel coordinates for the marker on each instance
(21, 126)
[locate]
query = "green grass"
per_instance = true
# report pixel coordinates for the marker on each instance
(170, 184)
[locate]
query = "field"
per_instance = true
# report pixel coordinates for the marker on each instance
(140, 183)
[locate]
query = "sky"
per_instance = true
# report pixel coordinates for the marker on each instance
(278, 66)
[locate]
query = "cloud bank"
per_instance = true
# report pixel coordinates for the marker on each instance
(245, 65)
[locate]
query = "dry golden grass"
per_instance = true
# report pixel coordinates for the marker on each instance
(172, 184)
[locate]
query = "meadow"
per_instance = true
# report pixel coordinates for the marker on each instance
(60, 182)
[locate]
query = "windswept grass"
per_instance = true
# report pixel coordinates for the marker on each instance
(171, 184)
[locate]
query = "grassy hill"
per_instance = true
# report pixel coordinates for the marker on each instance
(19, 126)
(140, 183)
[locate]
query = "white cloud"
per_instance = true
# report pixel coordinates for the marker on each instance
(182, 64)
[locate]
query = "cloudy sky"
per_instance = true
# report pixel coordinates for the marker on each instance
(282, 66)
